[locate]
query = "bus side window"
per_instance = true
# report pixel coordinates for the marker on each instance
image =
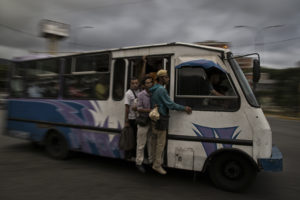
(119, 80)
(87, 77)
(150, 65)
(154, 64)
(192, 81)
(16, 87)
(87, 86)
(42, 78)
(135, 70)
(97, 63)
(74, 87)
(194, 87)
(102, 86)
(16, 81)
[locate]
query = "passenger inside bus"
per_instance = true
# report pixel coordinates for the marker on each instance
(52, 89)
(17, 87)
(34, 90)
(146, 65)
(74, 89)
(153, 66)
(214, 80)
(101, 88)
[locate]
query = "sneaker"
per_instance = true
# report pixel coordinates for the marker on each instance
(159, 170)
(141, 168)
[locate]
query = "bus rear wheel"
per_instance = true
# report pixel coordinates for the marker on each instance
(56, 146)
(232, 172)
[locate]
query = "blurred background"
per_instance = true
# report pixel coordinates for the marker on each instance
(268, 27)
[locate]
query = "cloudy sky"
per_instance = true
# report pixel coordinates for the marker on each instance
(119, 23)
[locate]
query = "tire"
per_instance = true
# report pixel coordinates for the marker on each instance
(35, 144)
(232, 172)
(56, 146)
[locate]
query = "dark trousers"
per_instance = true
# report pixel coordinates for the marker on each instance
(132, 153)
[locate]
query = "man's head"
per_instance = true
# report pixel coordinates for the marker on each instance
(148, 82)
(162, 77)
(214, 76)
(134, 83)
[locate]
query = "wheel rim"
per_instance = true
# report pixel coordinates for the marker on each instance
(232, 170)
(55, 145)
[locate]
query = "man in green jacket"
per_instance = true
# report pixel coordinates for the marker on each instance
(161, 99)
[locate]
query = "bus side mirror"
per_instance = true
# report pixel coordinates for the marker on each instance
(256, 71)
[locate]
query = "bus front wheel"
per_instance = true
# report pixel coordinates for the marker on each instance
(56, 146)
(232, 172)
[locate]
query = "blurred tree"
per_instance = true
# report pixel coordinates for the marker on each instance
(286, 93)
(287, 89)
(4, 65)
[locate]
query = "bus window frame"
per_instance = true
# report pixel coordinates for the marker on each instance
(24, 78)
(209, 96)
(246, 89)
(167, 56)
(73, 73)
(64, 91)
(74, 62)
(126, 62)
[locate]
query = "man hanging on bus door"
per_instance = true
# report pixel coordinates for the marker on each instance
(130, 113)
(144, 135)
(161, 99)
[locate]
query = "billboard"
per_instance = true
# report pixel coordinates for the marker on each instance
(49, 28)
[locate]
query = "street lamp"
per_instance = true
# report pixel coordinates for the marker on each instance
(258, 33)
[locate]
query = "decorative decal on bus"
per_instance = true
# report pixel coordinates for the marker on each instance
(100, 144)
(88, 113)
(81, 113)
(209, 132)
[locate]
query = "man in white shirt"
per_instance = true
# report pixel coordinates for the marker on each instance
(130, 111)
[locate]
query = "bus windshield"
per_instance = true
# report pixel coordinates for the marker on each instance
(244, 83)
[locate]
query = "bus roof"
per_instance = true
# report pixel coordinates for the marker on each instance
(47, 56)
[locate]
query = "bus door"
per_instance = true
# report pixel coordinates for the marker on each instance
(147, 65)
(217, 120)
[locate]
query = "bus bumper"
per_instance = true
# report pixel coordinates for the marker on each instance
(274, 163)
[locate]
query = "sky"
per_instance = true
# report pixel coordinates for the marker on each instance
(271, 27)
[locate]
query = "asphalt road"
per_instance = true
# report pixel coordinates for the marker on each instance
(27, 172)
